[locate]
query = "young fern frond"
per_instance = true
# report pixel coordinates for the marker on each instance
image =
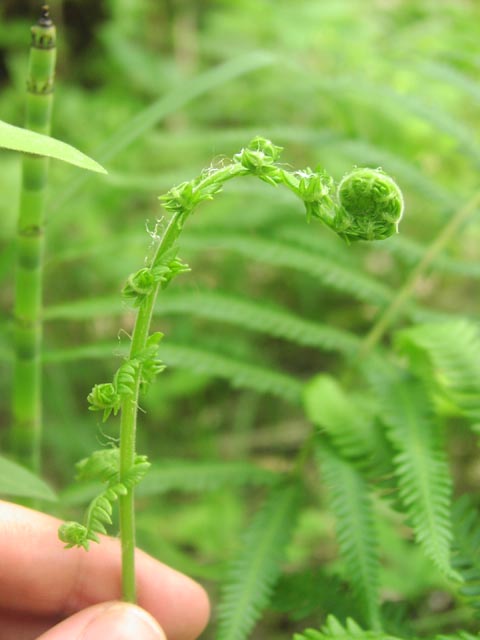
(102, 465)
(447, 354)
(334, 630)
(420, 463)
(367, 204)
(351, 503)
(254, 572)
(466, 550)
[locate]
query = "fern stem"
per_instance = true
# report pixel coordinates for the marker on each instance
(128, 423)
(257, 160)
(26, 400)
(391, 312)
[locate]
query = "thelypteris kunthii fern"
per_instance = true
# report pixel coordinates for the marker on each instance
(27, 379)
(365, 205)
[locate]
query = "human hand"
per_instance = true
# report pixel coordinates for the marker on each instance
(51, 594)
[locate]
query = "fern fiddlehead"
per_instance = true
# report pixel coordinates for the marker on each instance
(366, 206)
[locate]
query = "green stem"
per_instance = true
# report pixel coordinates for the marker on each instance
(128, 425)
(26, 401)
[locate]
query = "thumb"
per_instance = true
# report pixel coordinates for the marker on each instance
(112, 620)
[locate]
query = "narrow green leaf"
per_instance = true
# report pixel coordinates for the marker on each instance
(15, 480)
(18, 139)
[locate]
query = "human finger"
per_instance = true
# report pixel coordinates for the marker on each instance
(39, 577)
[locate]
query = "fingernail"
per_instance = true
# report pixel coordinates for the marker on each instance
(123, 622)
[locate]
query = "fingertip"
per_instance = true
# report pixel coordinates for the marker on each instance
(117, 620)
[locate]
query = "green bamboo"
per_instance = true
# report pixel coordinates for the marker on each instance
(27, 377)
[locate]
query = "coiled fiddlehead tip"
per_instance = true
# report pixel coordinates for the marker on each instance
(370, 205)
(73, 534)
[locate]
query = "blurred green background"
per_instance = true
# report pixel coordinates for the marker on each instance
(337, 83)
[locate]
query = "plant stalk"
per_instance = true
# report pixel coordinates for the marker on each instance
(128, 424)
(27, 377)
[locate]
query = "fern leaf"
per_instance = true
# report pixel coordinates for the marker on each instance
(410, 252)
(220, 307)
(348, 420)
(334, 630)
(186, 476)
(421, 466)
(240, 374)
(382, 96)
(451, 352)
(263, 318)
(351, 503)
(200, 476)
(253, 573)
(460, 635)
(466, 547)
(311, 591)
(280, 254)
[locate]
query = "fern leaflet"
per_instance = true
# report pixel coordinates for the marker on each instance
(240, 374)
(466, 547)
(448, 353)
(420, 463)
(334, 630)
(351, 503)
(280, 254)
(349, 420)
(221, 307)
(253, 573)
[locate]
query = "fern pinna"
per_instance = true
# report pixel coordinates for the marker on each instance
(366, 205)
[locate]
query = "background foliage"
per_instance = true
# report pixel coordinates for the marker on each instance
(270, 302)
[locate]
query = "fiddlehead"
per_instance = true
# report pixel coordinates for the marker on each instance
(347, 210)
(371, 205)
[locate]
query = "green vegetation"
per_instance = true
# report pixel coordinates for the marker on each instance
(312, 441)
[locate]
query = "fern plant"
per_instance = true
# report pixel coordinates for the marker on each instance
(367, 204)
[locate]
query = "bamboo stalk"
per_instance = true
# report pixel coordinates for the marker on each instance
(27, 377)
